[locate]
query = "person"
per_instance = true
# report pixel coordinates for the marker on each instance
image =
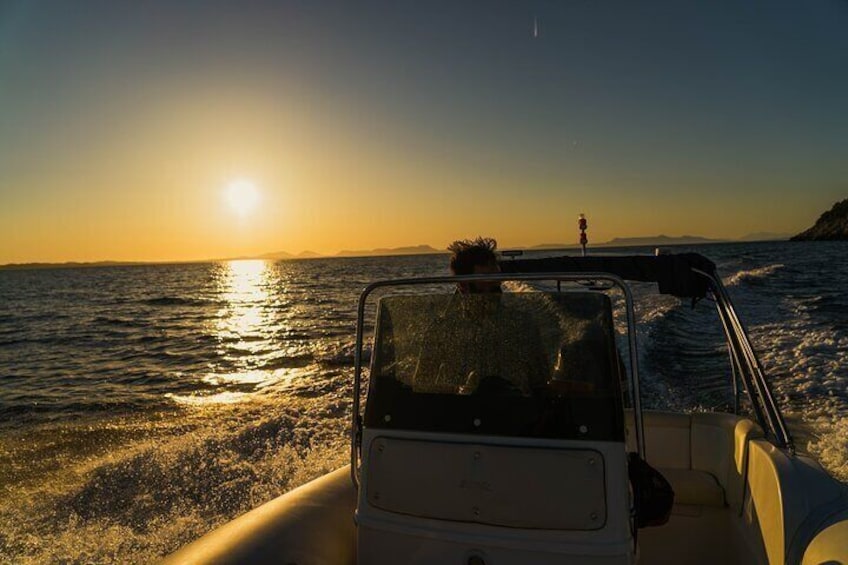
(475, 257)
(481, 337)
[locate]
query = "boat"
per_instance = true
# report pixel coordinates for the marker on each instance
(508, 428)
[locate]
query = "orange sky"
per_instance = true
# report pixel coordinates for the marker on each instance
(122, 129)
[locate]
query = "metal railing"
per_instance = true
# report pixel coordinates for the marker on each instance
(750, 369)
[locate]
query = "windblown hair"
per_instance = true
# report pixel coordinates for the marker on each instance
(466, 253)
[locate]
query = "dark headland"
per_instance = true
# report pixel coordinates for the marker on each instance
(831, 226)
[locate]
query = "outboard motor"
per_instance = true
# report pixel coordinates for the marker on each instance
(494, 432)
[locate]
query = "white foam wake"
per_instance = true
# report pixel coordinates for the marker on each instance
(752, 274)
(805, 362)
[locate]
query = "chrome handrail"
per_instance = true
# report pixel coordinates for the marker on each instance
(767, 411)
(356, 418)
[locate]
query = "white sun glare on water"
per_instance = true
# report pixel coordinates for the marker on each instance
(242, 197)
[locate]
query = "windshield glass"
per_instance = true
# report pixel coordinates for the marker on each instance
(528, 363)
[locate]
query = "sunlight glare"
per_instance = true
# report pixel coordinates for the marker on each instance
(242, 197)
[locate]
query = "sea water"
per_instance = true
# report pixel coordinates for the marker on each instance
(141, 406)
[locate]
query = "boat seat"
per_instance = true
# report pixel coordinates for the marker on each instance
(694, 487)
(669, 445)
(702, 455)
(720, 446)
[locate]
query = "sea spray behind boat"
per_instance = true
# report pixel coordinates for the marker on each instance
(163, 483)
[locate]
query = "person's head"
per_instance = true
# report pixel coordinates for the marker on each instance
(475, 256)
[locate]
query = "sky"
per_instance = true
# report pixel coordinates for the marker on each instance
(124, 124)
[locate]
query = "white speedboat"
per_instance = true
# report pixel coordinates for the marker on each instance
(508, 429)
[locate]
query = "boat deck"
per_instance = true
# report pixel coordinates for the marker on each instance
(697, 534)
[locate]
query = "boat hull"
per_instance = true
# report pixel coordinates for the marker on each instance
(312, 524)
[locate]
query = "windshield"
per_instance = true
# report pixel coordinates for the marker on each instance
(527, 364)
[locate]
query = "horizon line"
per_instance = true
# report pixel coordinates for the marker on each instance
(426, 249)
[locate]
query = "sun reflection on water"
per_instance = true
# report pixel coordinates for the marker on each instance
(245, 321)
(247, 328)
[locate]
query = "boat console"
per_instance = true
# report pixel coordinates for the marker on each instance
(494, 422)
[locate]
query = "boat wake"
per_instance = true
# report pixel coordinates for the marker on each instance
(752, 276)
(143, 499)
(805, 362)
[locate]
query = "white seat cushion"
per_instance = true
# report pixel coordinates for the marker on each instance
(667, 443)
(694, 487)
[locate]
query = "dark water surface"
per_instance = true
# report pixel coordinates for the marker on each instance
(140, 406)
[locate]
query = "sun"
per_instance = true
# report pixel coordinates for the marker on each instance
(242, 197)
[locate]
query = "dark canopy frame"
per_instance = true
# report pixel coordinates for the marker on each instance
(678, 275)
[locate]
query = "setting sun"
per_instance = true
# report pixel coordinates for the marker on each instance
(242, 197)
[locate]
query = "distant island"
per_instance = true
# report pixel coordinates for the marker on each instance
(413, 250)
(659, 240)
(277, 255)
(423, 249)
(381, 251)
(72, 265)
(831, 226)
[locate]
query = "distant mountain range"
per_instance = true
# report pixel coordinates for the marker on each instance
(658, 240)
(71, 264)
(665, 240)
(412, 250)
(277, 255)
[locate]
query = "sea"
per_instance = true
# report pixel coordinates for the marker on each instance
(142, 406)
